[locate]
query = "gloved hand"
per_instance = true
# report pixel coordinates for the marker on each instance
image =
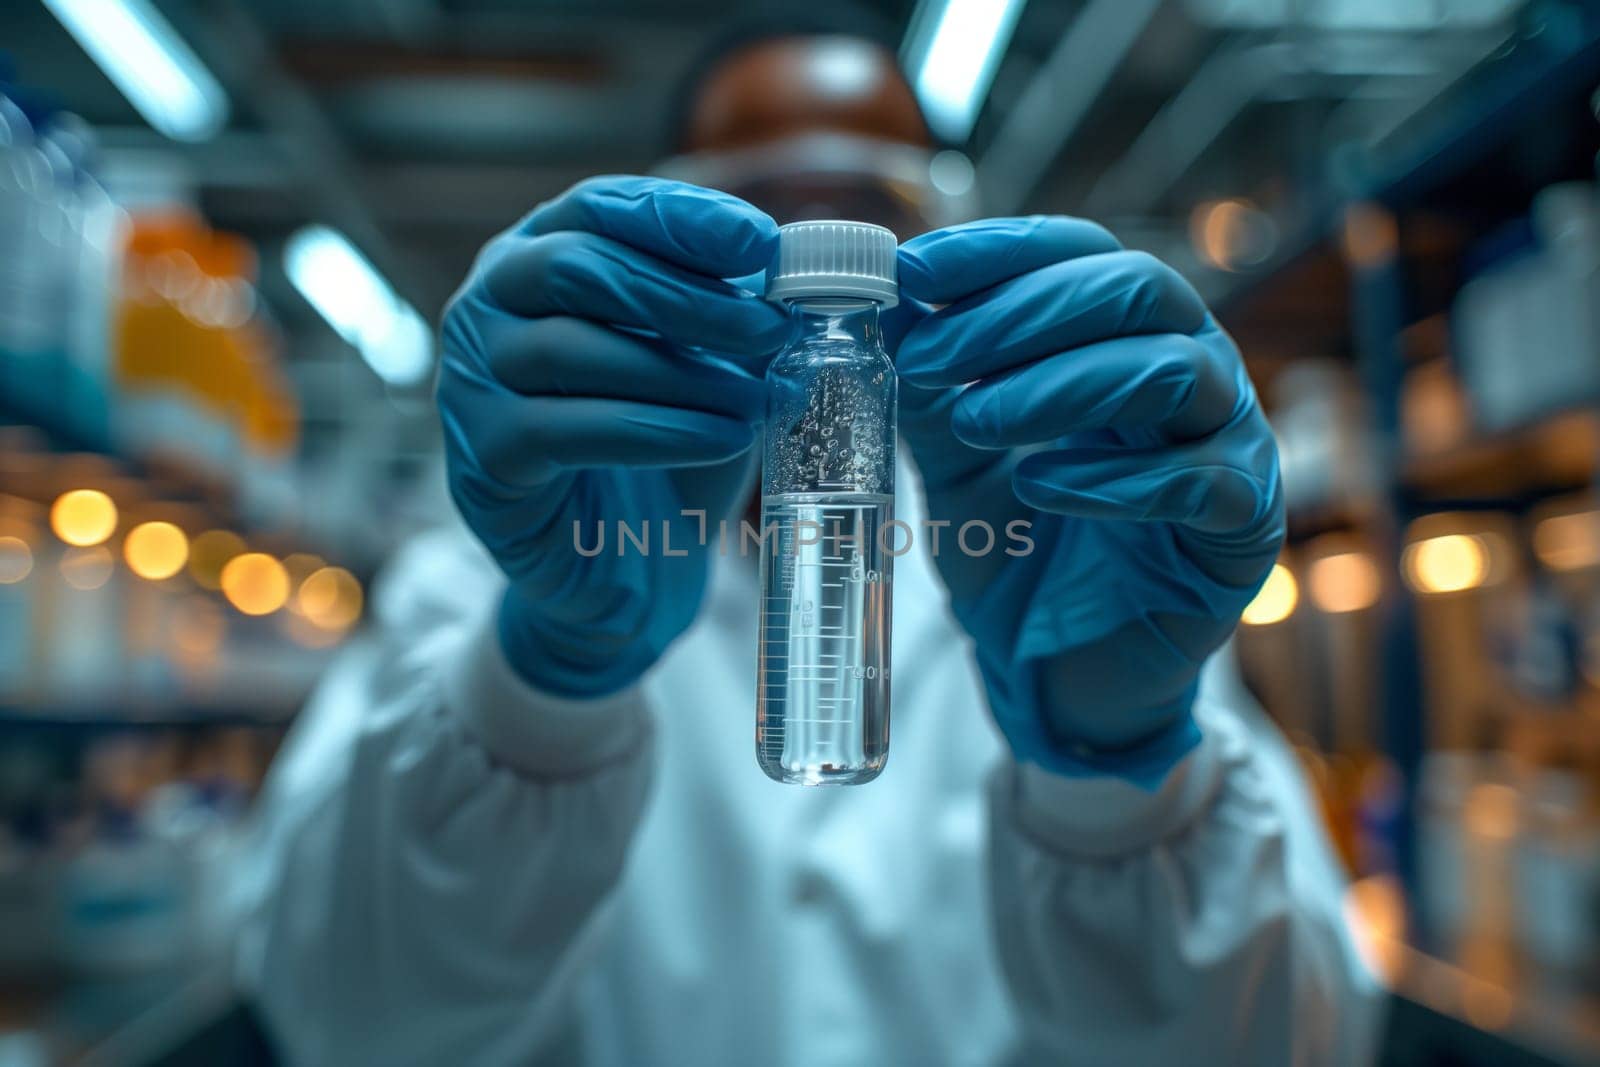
(1087, 390)
(597, 368)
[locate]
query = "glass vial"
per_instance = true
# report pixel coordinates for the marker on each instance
(827, 500)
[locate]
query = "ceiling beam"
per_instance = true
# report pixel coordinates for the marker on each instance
(234, 45)
(1058, 98)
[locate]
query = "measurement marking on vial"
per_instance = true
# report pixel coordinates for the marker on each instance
(823, 688)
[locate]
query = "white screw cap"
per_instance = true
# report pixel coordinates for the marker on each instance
(833, 257)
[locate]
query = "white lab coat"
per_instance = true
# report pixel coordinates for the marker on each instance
(453, 868)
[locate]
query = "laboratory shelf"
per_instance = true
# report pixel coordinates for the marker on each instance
(179, 481)
(83, 424)
(1554, 455)
(152, 715)
(1439, 1012)
(1369, 273)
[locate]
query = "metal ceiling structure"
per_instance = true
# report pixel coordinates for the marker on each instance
(420, 127)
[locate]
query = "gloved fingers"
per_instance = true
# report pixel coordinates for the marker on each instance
(958, 261)
(522, 442)
(899, 320)
(564, 356)
(1061, 306)
(1170, 383)
(594, 277)
(944, 460)
(700, 230)
(1200, 486)
(924, 414)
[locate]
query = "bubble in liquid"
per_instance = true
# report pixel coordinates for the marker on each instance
(829, 433)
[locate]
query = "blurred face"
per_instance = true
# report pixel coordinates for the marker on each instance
(797, 197)
(813, 127)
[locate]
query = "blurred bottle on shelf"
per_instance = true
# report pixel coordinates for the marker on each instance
(1508, 818)
(1465, 573)
(198, 380)
(1310, 648)
(1435, 418)
(80, 589)
(170, 405)
(140, 333)
(1324, 440)
(1509, 858)
(144, 872)
(1558, 874)
(29, 261)
(1527, 327)
(1539, 645)
(90, 279)
(59, 243)
(1442, 787)
(21, 544)
(114, 855)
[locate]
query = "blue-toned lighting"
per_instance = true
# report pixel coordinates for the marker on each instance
(145, 58)
(347, 291)
(951, 53)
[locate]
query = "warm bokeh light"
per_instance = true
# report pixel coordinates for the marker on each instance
(1375, 913)
(83, 517)
(86, 568)
(209, 553)
(1568, 542)
(1232, 234)
(1492, 810)
(301, 565)
(1347, 581)
(331, 598)
(1449, 563)
(255, 583)
(16, 560)
(1276, 601)
(155, 550)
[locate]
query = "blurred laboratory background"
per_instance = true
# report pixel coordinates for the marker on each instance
(228, 227)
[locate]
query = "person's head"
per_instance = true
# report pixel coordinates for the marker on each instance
(810, 118)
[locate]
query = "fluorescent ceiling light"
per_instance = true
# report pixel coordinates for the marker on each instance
(1353, 14)
(146, 59)
(952, 51)
(353, 297)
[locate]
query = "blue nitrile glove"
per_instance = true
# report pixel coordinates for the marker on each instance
(579, 385)
(1085, 389)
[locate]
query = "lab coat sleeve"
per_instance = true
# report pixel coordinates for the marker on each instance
(433, 855)
(1200, 923)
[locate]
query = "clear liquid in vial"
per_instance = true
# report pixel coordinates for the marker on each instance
(822, 691)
